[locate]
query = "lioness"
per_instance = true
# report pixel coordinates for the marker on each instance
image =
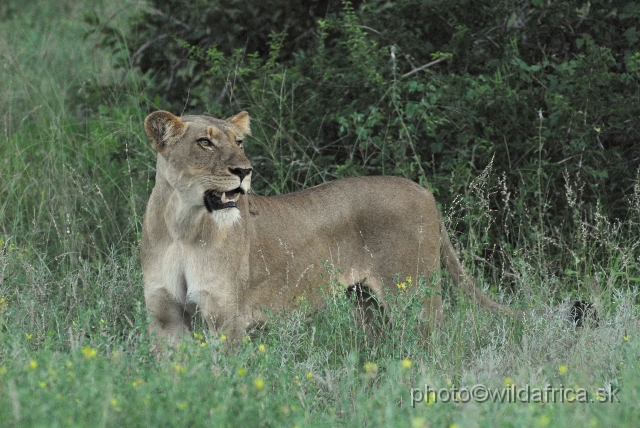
(209, 247)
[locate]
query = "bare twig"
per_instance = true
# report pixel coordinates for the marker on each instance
(423, 67)
(175, 20)
(363, 26)
(144, 47)
(122, 9)
(139, 52)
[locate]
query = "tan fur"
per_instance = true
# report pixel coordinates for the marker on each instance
(271, 251)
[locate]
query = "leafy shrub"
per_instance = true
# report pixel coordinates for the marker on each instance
(160, 37)
(542, 96)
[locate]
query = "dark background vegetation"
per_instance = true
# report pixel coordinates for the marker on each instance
(522, 117)
(544, 96)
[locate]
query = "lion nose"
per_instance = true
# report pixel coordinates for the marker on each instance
(241, 172)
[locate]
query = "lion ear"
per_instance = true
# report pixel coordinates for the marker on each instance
(241, 121)
(163, 129)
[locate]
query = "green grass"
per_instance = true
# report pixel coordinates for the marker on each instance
(75, 173)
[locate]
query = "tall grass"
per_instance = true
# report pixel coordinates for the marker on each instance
(69, 176)
(73, 344)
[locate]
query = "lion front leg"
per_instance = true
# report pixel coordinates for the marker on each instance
(169, 320)
(221, 316)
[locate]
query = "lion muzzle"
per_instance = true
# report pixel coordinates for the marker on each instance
(214, 200)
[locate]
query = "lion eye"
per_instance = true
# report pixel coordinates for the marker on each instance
(239, 142)
(205, 143)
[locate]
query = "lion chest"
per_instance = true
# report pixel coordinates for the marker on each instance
(194, 273)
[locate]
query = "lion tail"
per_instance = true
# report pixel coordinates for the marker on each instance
(452, 264)
(577, 312)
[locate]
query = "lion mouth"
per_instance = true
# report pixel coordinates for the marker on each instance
(214, 200)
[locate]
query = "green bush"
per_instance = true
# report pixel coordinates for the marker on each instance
(161, 33)
(76, 171)
(544, 96)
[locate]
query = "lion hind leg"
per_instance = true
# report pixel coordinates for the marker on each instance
(368, 305)
(370, 312)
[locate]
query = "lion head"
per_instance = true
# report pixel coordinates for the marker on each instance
(203, 159)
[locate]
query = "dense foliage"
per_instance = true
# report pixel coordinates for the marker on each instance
(525, 127)
(544, 96)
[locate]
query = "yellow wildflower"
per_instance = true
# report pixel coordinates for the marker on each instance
(418, 423)
(258, 383)
(89, 352)
(544, 420)
(371, 368)
(114, 404)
